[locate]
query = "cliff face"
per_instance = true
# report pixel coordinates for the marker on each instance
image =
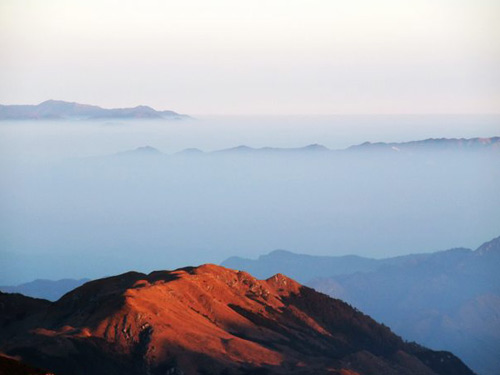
(207, 320)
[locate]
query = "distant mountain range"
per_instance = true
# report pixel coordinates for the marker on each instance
(246, 149)
(445, 300)
(61, 110)
(206, 320)
(431, 144)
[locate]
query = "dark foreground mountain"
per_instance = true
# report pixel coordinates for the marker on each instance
(12, 366)
(206, 320)
(445, 300)
(58, 109)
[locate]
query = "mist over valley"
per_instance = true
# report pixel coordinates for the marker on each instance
(90, 199)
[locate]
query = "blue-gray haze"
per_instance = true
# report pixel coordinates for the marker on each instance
(73, 206)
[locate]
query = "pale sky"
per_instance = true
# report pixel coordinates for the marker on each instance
(254, 57)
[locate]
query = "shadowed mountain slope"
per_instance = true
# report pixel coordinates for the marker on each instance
(12, 366)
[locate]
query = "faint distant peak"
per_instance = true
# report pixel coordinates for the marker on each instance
(190, 151)
(58, 109)
(247, 149)
(316, 147)
(147, 150)
(141, 151)
(489, 247)
(61, 103)
(241, 148)
(52, 102)
(433, 144)
(280, 252)
(144, 108)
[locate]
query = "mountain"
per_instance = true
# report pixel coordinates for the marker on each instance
(452, 300)
(206, 320)
(141, 151)
(57, 109)
(12, 366)
(302, 267)
(489, 248)
(442, 144)
(432, 144)
(234, 151)
(190, 152)
(46, 289)
(444, 300)
(273, 150)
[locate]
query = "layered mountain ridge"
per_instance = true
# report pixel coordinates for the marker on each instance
(445, 300)
(206, 320)
(430, 144)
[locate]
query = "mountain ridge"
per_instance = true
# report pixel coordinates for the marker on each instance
(448, 299)
(443, 144)
(431, 144)
(60, 110)
(207, 320)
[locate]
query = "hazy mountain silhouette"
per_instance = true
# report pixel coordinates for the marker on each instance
(432, 144)
(445, 300)
(442, 144)
(290, 199)
(46, 289)
(270, 150)
(206, 320)
(302, 267)
(141, 151)
(58, 109)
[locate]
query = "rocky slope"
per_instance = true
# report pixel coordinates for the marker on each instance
(206, 320)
